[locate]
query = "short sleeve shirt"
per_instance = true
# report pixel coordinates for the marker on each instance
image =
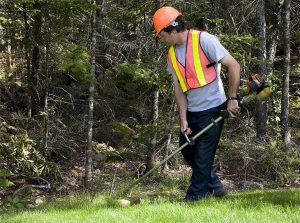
(211, 95)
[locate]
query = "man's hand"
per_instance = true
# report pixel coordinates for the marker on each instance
(233, 108)
(184, 128)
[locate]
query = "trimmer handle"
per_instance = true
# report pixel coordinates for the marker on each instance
(191, 141)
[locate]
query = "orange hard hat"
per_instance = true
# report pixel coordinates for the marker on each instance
(163, 17)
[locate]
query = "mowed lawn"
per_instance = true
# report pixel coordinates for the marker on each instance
(256, 206)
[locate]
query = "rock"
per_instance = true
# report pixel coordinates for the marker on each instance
(124, 203)
(99, 157)
(97, 171)
(228, 184)
(135, 200)
(30, 206)
(296, 183)
(250, 185)
(40, 200)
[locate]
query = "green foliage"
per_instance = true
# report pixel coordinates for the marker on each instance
(295, 104)
(65, 5)
(74, 6)
(146, 131)
(75, 58)
(5, 75)
(4, 182)
(272, 162)
(115, 134)
(296, 67)
(130, 13)
(280, 162)
(276, 88)
(106, 149)
(122, 134)
(138, 72)
(16, 202)
(276, 83)
(216, 20)
(240, 46)
(21, 154)
(135, 78)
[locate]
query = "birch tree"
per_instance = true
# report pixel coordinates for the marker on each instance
(89, 151)
(285, 132)
(153, 142)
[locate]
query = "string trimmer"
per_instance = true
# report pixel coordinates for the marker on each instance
(254, 89)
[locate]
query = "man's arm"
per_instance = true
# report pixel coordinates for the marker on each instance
(181, 102)
(233, 85)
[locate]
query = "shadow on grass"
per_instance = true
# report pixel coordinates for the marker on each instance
(256, 199)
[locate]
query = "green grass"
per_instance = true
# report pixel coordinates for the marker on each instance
(257, 206)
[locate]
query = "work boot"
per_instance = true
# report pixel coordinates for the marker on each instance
(220, 192)
(189, 198)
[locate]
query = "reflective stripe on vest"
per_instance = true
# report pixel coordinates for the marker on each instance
(198, 71)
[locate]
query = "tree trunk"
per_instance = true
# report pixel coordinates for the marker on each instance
(285, 132)
(46, 70)
(170, 133)
(273, 33)
(261, 107)
(27, 57)
(35, 56)
(151, 148)
(272, 42)
(150, 159)
(89, 150)
(9, 56)
(271, 53)
(46, 119)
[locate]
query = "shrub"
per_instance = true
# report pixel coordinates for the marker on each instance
(4, 181)
(22, 156)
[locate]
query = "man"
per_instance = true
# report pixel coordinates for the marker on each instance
(194, 60)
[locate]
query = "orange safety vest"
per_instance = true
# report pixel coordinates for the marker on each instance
(198, 70)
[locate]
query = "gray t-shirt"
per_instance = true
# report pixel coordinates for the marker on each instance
(211, 95)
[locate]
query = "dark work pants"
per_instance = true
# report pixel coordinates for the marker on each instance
(201, 155)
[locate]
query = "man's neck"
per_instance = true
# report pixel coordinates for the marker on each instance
(182, 37)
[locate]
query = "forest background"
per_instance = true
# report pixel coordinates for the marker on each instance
(86, 102)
